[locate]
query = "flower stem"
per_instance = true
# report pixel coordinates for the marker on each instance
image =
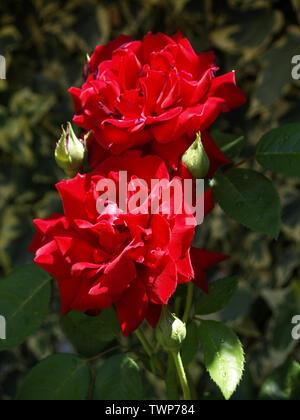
(189, 301)
(245, 161)
(156, 366)
(145, 343)
(171, 380)
(182, 376)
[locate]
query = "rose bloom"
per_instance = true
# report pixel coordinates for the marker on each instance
(157, 91)
(131, 260)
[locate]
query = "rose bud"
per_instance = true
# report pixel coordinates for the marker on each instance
(71, 152)
(196, 159)
(170, 331)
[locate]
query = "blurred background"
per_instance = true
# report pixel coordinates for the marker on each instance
(45, 43)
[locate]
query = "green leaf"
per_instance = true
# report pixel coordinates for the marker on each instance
(283, 384)
(229, 144)
(250, 198)
(118, 379)
(279, 150)
(190, 344)
(282, 339)
(24, 302)
(89, 335)
(239, 305)
(220, 293)
(62, 377)
(223, 355)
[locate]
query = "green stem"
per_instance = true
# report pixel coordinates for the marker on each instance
(156, 366)
(145, 343)
(182, 376)
(91, 359)
(245, 161)
(189, 301)
(171, 380)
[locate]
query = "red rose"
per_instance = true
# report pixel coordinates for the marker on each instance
(156, 91)
(134, 261)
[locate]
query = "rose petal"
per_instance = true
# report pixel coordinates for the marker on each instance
(132, 307)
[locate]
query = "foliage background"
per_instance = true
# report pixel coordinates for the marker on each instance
(45, 43)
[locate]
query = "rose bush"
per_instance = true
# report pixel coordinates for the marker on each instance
(143, 104)
(157, 91)
(132, 260)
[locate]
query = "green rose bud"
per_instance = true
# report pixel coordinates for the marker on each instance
(196, 159)
(170, 331)
(71, 152)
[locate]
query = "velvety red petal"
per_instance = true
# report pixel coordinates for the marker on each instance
(183, 171)
(225, 87)
(162, 61)
(185, 269)
(153, 314)
(206, 259)
(187, 59)
(152, 85)
(132, 307)
(105, 52)
(172, 153)
(178, 36)
(161, 282)
(181, 237)
(161, 233)
(129, 71)
(200, 280)
(55, 223)
(68, 290)
(117, 277)
(50, 259)
(166, 116)
(96, 153)
(165, 132)
(136, 224)
(130, 104)
(84, 300)
(36, 243)
(75, 249)
(153, 43)
(74, 194)
(152, 167)
(144, 167)
(194, 92)
(207, 60)
(75, 92)
(118, 140)
(202, 261)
